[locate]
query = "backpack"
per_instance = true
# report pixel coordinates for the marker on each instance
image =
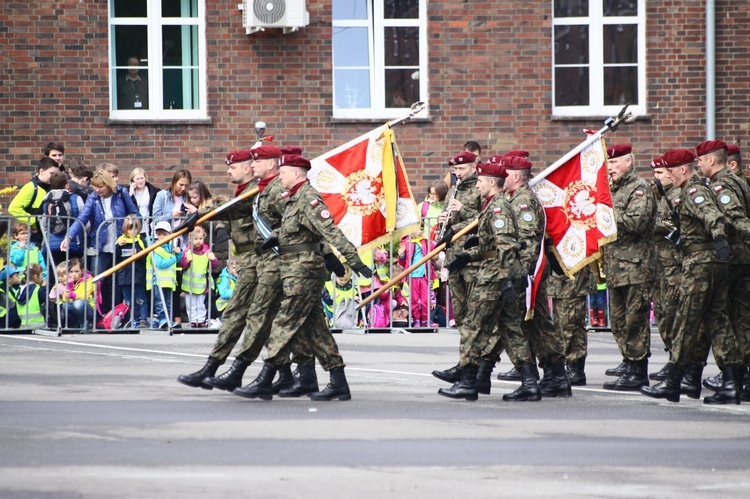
(115, 317)
(59, 211)
(379, 317)
(345, 314)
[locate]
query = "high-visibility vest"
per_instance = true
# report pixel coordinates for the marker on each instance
(337, 296)
(85, 289)
(31, 311)
(195, 277)
(11, 302)
(163, 278)
(221, 303)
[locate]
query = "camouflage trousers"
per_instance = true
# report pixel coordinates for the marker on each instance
(546, 341)
(629, 314)
(235, 314)
(665, 299)
(569, 316)
(506, 334)
(703, 301)
(477, 329)
(301, 318)
(460, 284)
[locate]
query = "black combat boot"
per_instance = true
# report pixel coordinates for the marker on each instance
(529, 389)
(466, 388)
(558, 384)
(661, 375)
(577, 373)
(305, 381)
(484, 375)
(512, 375)
(196, 379)
(714, 383)
(337, 388)
(451, 375)
(745, 393)
(635, 377)
(668, 389)
(260, 387)
(691, 381)
(547, 376)
(231, 379)
(619, 370)
(285, 379)
(728, 393)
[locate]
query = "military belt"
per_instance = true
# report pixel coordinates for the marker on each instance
(735, 240)
(695, 247)
(487, 255)
(244, 248)
(259, 251)
(299, 248)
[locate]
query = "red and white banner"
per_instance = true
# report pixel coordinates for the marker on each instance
(578, 204)
(365, 187)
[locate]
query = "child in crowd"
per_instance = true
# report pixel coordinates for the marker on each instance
(131, 280)
(432, 207)
(161, 270)
(78, 304)
(32, 299)
(340, 300)
(60, 208)
(10, 285)
(23, 252)
(225, 286)
(410, 251)
(197, 261)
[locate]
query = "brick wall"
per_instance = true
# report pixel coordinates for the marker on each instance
(490, 79)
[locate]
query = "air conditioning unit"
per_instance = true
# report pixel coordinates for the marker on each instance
(289, 15)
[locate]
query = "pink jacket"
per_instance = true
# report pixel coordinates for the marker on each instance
(426, 248)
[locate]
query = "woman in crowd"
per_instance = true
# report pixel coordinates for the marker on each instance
(143, 194)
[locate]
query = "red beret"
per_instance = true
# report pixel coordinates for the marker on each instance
(709, 146)
(266, 152)
(515, 163)
(295, 160)
(291, 150)
(518, 152)
(239, 156)
(462, 158)
(678, 157)
(495, 159)
(658, 162)
(618, 150)
(733, 149)
(491, 170)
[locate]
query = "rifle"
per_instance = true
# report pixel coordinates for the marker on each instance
(674, 233)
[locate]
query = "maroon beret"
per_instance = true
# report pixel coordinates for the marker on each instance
(295, 160)
(733, 149)
(658, 162)
(491, 170)
(495, 159)
(266, 152)
(291, 150)
(709, 146)
(515, 163)
(462, 158)
(239, 156)
(678, 157)
(618, 150)
(518, 152)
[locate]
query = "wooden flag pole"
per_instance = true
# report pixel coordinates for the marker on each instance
(205, 218)
(424, 260)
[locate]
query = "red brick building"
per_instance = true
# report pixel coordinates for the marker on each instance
(510, 75)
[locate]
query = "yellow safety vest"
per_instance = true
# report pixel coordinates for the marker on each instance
(195, 277)
(221, 303)
(31, 311)
(164, 278)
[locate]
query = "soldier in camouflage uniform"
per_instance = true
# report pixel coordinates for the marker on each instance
(733, 200)
(630, 264)
(546, 342)
(569, 316)
(234, 316)
(669, 261)
(462, 209)
(305, 223)
(494, 307)
(704, 280)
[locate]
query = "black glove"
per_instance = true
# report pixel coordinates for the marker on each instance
(461, 261)
(554, 264)
(446, 238)
(362, 269)
(271, 242)
(508, 292)
(471, 241)
(723, 250)
(189, 222)
(334, 265)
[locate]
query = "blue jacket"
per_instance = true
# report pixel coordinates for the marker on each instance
(224, 284)
(93, 211)
(76, 203)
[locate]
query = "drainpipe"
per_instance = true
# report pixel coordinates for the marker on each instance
(710, 70)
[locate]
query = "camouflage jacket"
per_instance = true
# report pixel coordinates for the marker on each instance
(270, 206)
(666, 250)
(530, 216)
(498, 249)
(631, 259)
(240, 216)
(307, 220)
(733, 200)
(468, 195)
(701, 221)
(560, 286)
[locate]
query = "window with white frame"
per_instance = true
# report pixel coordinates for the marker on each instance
(379, 57)
(599, 49)
(157, 59)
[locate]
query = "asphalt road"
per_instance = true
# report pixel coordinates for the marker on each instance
(103, 416)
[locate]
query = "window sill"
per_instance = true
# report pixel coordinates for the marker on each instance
(156, 122)
(645, 117)
(342, 121)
